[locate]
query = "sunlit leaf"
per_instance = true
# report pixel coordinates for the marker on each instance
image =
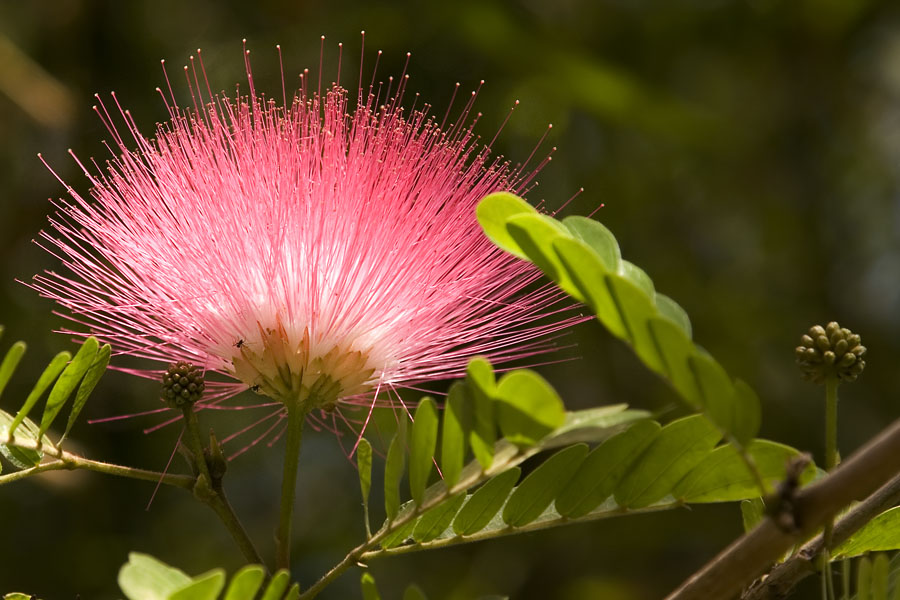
(678, 448)
(245, 583)
(494, 211)
(542, 485)
(47, 377)
(528, 408)
(437, 519)
(364, 465)
(10, 362)
(535, 234)
(485, 503)
(598, 238)
(90, 381)
(880, 534)
(636, 308)
(203, 587)
(747, 412)
(481, 385)
(639, 278)
(672, 311)
(277, 586)
(716, 390)
(22, 458)
(68, 380)
(423, 441)
(604, 468)
(369, 589)
(146, 578)
(752, 512)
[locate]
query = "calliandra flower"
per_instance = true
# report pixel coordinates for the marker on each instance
(314, 249)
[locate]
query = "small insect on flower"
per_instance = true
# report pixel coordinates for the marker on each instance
(336, 241)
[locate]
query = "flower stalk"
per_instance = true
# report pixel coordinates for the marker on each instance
(296, 411)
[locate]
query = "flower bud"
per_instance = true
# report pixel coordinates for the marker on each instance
(182, 384)
(830, 351)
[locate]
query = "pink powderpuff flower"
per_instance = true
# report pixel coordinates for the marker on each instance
(308, 250)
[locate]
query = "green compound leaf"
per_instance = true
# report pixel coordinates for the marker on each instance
(47, 377)
(604, 468)
(18, 596)
(676, 349)
(538, 490)
(535, 233)
(22, 458)
(485, 503)
(722, 476)
(480, 383)
(672, 311)
(528, 408)
(146, 578)
(369, 589)
(423, 442)
(393, 470)
(293, 593)
(598, 238)
(10, 362)
(678, 448)
(203, 587)
(278, 586)
(639, 278)
(880, 534)
(636, 308)
(752, 512)
(455, 430)
(436, 520)
(245, 583)
(399, 535)
(67, 382)
(493, 213)
(90, 381)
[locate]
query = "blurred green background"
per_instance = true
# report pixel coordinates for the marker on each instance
(747, 155)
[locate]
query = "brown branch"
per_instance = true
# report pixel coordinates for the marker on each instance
(745, 559)
(782, 579)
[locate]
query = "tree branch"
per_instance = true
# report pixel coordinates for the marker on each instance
(736, 566)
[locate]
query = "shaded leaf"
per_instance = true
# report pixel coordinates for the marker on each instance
(399, 535)
(481, 385)
(639, 278)
(369, 589)
(535, 234)
(604, 468)
(22, 458)
(747, 412)
(423, 441)
(414, 592)
(752, 512)
(47, 377)
(528, 408)
(393, 470)
(538, 490)
(716, 390)
(880, 534)
(437, 519)
(485, 503)
(277, 586)
(456, 426)
(672, 311)
(600, 239)
(293, 593)
(636, 309)
(676, 349)
(364, 465)
(678, 448)
(10, 362)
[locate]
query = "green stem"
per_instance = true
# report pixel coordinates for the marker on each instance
(831, 460)
(296, 417)
(192, 429)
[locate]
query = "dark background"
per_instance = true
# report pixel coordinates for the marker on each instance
(746, 153)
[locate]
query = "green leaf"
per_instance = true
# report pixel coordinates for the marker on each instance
(588, 274)
(864, 579)
(22, 458)
(678, 448)
(494, 211)
(47, 377)
(672, 311)
(722, 476)
(603, 469)
(716, 390)
(880, 575)
(203, 587)
(593, 425)
(146, 578)
(414, 592)
(90, 381)
(456, 426)
(422, 447)
(18, 596)
(636, 308)
(245, 583)
(393, 470)
(10, 362)
(528, 408)
(481, 386)
(538, 490)
(364, 464)
(437, 519)
(293, 593)
(70, 378)
(880, 534)
(676, 349)
(600, 239)
(747, 413)
(399, 535)
(752, 512)
(639, 278)
(535, 233)
(369, 589)
(278, 586)
(485, 503)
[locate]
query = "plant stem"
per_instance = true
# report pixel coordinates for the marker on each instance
(296, 417)
(831, 459)
(192, 428)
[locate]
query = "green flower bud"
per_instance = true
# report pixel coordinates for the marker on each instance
(830, 351)
(182, 384)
